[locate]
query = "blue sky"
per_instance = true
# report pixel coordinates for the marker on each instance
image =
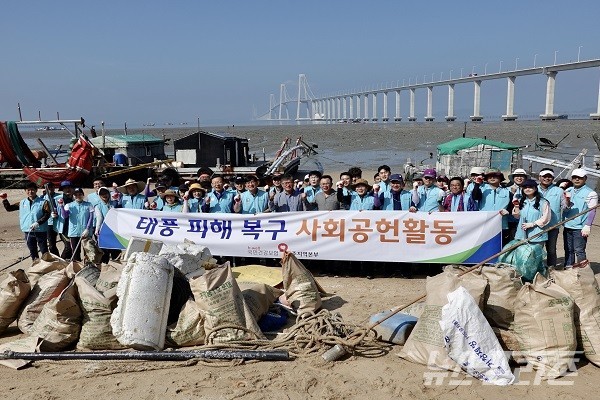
(175, 61)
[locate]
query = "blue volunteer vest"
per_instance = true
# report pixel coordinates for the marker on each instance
(554, 195)
(135, 202)
(494, 200)
(254, 204)
(367, 202)
(429, 198)
(30, 212)
(530, 214)
(578, 197)
(79, 215)
(387, 200)
(222, 204)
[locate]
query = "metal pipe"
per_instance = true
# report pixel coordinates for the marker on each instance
(262, 355)
(56, 121)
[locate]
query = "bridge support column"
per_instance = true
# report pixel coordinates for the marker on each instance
(429, 116)
(450, 117)
(550, 83)
(596, 115)
(339, 108)
(351, 104)
(366, 98)
(374, 107)
(385, 116)
(411, 115)
(476, 102)
(510, 100)
(344, 103)
(397, 117)
(358, 106)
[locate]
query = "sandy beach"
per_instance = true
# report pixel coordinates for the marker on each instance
(353, 377)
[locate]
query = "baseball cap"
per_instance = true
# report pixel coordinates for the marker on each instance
(78, 190)
(429, 173)
(65, 184)
(239, 180)
(580, 172)
(396, 177)
(529, 183)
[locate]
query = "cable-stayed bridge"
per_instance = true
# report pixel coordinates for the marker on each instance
(347, 106)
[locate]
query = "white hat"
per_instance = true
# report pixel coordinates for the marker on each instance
(519, 171)
(546, 171)
(477, 171)
(579, 172)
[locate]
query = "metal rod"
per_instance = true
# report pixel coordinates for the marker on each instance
(47, 151)
(13, 264)
(263, 355)
(56, 121)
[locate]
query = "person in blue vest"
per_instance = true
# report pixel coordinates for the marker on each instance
(476, 174)
(60, 224)
(159, 189)
(34, 212)
(80, 215)
(194, 198)
(132, 196)
(580, 197)
(394, 199)
(532, 211)
(253, 200)
(309, 191)
(172, 203)
(517, 178)
(384, 172)
(556, 198)
(100, 211)
(93, 197)
(218, 200)
(491, 196)
(50, 195)
(360, 199)
(457, 200)
(427, 197)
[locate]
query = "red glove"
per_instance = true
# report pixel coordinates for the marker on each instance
(516, 202)
(60, 201)
(153, 206)
(479, 179)
(115, 196)
(3, 196)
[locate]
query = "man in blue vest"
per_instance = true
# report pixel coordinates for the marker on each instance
(218, 200)
(427, 197)
(556, 199)
(253, 200)
(34, 212)
(579, 198)
(132, 196)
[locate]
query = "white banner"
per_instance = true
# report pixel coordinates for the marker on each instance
(396, 236)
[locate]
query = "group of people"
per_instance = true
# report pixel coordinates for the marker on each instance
(528, 207)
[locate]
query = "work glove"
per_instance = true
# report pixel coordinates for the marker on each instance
(3, 196)
(34, 226)
(266, 188)
(115, 196)
(60, 201)
(415, 185)
(85, 233)
(339, 184)
(479, 179)
(153, 206)
(585, 231)
(503, 212)
(54, 214)
(147, 205)
(375, 187)
(237, 198)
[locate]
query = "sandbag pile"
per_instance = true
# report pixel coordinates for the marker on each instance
(176, 296)
(543, 322)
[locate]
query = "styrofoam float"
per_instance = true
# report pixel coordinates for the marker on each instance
(144, 292)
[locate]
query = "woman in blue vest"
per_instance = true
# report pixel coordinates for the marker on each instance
(100, 210)
(360, 199)
(533, 213)
(80, 214)
(458, 200)
(172, 203)
(34, 212)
